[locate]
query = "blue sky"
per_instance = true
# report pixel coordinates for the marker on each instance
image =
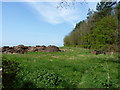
(33, 23)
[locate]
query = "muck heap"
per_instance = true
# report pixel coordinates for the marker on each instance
(21, 49)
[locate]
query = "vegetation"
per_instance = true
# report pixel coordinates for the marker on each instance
(72, 68)
(10, 69)
(99, 30)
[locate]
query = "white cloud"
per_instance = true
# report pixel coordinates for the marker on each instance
(50, 13)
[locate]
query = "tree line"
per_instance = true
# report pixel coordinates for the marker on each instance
(99, 31)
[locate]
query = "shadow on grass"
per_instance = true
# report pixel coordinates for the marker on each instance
(28, 84)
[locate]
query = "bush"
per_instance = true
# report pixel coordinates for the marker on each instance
(42, 78)
(10, 69)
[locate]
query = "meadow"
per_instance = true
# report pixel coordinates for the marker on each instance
(71, 68)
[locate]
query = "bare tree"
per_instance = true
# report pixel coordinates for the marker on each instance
(68, 4)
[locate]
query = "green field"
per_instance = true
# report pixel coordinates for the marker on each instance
(71, 68)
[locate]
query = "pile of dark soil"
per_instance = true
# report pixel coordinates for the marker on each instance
(21, 49)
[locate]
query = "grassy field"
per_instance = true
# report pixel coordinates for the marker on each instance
(71, 68)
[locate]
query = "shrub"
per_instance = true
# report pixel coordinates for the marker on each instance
(10, 69)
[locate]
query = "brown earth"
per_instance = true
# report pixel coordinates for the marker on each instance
(21, 49)
(96, 52)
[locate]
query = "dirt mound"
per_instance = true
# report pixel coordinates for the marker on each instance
(36, 49)
(21, 49)
(41, 48)
(96, 52)
(7, 49)
(16, 49)
(32, 49)
(52, 49)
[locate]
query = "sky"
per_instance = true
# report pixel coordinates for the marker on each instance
(40, 23)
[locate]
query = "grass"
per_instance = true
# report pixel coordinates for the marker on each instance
(71, 68)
